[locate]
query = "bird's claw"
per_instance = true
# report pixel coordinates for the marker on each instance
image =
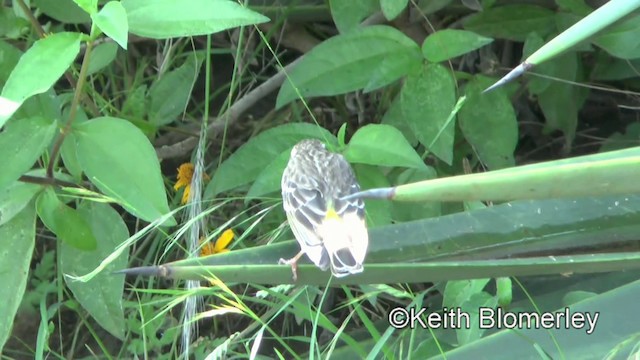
(294, 266)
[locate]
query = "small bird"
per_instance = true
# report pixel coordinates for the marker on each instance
(332, 232)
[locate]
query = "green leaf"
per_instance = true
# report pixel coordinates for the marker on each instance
(163, 19)
(450, 43)
(378, 213)
(561, 101)
(394, 117)
(347, 15)
(512, 22)
(504, 291)
(472, 306)
(120, 161)
(244, 166)
(102, 295)
(14, 198)
(90, 6)
(101, 56)
(459, 291)
(64, 221)
(427, 99)
(488, 122)
(69, 155)
(39, 68)
(170, 94)
(621, 40)
(369, 57)
(65, 11)
(383, 145)
(617, 140)
(17, 238)
(21, 143)
(112, 20)
(342, 132)
(268, 181)
(392, 8)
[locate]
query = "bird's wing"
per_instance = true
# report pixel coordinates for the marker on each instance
(305, 209)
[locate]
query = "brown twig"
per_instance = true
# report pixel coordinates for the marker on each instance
(230, 116)
(46, 181)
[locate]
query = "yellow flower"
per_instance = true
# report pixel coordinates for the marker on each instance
(220, 245)
(185, 175)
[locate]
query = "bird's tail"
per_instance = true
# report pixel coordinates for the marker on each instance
(346, 240)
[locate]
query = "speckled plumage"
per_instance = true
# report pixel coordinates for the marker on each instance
(332, 232)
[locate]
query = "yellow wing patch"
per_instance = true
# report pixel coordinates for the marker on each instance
(332, 215)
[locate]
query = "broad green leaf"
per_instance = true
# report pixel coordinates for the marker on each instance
(607, 68)
(512, 22)
(13, 24)
(472, 306)
(14, 198)
(577, 7)
(394, 117)
(17, 238)
(120, 161)
(504, 291)
(427, 99)
(378, 213)
(40, 67)
(561, 101)
(392, 8)
(69, 155)
(65, 11)
(431, 6)
(10, 57)
(64, 221)
(102, 56)
(135, 104)
(42, 105)
(458, 291)
(102, 295)
(69, 151)
(621, 40)
(268, 181)
(617, 140)
(450, 43)
(89, 6)
(112, 20)
(21, 143)
(488, 122)
(369, 57)
(163, 19)
(347, 15)
(383, 145)
(170, 94)
(246, 164)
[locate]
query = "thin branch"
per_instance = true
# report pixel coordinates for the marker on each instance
(231, 115)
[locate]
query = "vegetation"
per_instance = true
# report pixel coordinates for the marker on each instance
(148, 138)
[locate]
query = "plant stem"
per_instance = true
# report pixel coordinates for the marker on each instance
(72, 114)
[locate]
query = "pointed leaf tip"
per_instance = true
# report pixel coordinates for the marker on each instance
(517, 71)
